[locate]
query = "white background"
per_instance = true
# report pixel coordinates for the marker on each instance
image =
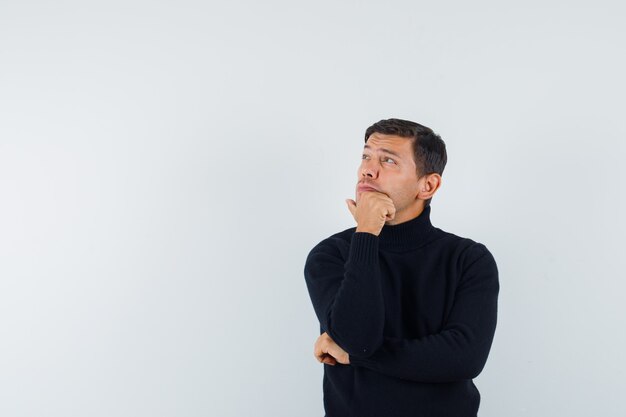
(165, 167)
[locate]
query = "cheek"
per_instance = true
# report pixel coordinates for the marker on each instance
(408, 191)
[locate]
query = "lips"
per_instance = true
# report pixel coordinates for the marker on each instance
(365, 187)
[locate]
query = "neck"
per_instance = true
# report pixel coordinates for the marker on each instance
(405, 215)
(409, 234)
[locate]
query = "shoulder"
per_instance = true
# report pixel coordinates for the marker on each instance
(467, 250)
(329, 255)
(335, 246)
(473, 263)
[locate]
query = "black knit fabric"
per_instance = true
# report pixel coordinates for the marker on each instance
(415, 308)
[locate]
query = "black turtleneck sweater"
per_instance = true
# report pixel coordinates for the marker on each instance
(415, 308)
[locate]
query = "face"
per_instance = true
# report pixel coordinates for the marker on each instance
(387, 165)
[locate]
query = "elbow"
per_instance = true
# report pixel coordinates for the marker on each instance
(471, 367)
(471, 358)
(473, 370)
(476, 362)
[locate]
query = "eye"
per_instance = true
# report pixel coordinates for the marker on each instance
(364, 156)
(389, 159)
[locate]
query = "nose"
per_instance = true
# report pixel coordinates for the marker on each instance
(368, 170)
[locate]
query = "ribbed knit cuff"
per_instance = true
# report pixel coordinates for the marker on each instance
(363, 248)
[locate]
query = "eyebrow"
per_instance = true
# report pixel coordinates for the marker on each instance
(384, 150)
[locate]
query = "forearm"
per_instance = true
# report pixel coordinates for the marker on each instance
(451, 355)
(347, 296)
(459, 351)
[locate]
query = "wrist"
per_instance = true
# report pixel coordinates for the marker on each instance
(367, 230)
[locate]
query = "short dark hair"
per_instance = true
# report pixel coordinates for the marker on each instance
(429, 150)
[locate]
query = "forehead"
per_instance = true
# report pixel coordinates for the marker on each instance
(396, 144)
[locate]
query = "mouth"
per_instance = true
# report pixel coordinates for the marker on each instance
(362, 188)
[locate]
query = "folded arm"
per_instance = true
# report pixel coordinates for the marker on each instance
(459, 351)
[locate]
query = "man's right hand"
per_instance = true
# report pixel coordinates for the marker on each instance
(329, 352)
(373, 210)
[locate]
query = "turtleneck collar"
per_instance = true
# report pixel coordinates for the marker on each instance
(408, 235)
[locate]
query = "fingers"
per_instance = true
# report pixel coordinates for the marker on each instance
(375, 195)
(391, 208)
(390, 212)
(317, 352)
(320, 350)
(329, 360)
(325, 358)
(338, 354)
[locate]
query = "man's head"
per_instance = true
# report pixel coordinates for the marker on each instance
(404, 160)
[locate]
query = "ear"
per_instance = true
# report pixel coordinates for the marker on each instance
(429, 186)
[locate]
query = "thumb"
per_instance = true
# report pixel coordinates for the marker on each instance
(352, 207)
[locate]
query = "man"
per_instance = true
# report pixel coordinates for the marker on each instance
(407, 311)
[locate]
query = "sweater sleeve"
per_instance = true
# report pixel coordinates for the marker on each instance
(459, 351)
(347, 294)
